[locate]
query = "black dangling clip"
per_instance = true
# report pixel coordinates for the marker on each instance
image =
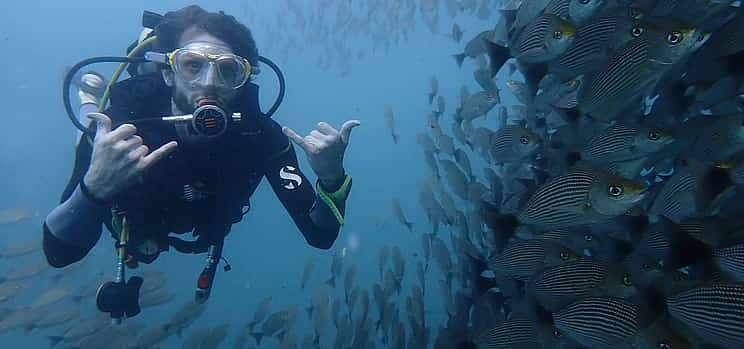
(120, 298)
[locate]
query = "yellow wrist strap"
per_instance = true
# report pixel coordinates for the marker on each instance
(331, 199)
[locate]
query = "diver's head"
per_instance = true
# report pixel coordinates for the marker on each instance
(210, 56)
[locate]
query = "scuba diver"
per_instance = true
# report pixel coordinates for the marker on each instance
(180, 149)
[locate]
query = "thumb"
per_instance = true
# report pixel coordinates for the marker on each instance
(103, 123)
(346, 129)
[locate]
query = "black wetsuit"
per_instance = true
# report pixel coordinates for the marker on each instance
(200, 189)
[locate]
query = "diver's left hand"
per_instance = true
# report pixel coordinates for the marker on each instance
(325, 147)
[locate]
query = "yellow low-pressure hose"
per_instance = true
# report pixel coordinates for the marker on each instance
(120, 69)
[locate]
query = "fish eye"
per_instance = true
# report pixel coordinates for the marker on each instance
(646, 266)
(615, 190)
(564, 256)
(664, 346)
(636, 31)
(653, 135)
(524, 140)
(584, 2)
(558, 35)
(674, 37)
(558, 334)
(627, 281)
(588, 237)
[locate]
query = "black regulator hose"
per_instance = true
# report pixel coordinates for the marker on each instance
(68, 82)
(282, 84)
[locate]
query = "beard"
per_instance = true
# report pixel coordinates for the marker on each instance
(183, 103)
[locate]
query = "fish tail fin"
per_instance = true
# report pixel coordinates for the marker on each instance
(395, 138)
(498, 55)
(316, 340)
(331, 282)
(257, 336)
(459, 58)
(431, 97)
(409, 225)
(54, 340)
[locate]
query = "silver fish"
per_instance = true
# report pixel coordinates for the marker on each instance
(543, 40)
(400, 215)
(512, 143)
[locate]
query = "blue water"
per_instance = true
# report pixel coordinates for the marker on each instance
(267, 252)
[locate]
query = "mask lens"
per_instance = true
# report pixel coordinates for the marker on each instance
(232, 70)
(190, 65)
(193, 66)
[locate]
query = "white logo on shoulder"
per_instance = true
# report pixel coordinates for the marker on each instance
(293, 179)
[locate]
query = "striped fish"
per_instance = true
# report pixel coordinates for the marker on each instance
(527, 12)
(715, 313)
(478, 104)
(577, 12)
(560, 94)
(707, 230)
(621, 142)
(513, 333)
(559, 286)
(678, 198)
(579, 241)
(656, 241)
(627, 74)
(457, 180)
(543, 40)
(731, 261)
(558, 8)
(634, 68)
(512, 143)
(582, 11)
(580, 197)
(523, 258)
(599, 322)
(594, 40)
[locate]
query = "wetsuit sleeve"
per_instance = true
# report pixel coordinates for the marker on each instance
(315, 219)
(73, 227)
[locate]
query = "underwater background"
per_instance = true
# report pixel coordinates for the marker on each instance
(587, 195)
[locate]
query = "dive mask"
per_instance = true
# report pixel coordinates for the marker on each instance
(196, 66)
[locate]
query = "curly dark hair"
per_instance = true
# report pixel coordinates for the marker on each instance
(218, 24)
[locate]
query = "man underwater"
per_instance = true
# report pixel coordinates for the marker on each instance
(144, 185)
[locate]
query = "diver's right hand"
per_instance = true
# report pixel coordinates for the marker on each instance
(119, 158)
